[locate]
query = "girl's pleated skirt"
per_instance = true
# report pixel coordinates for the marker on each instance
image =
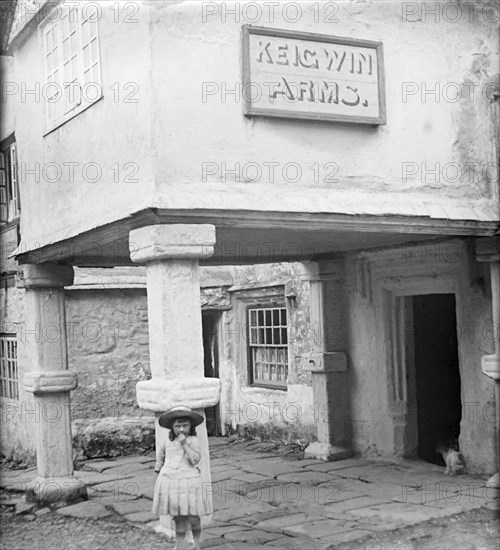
(175, 494)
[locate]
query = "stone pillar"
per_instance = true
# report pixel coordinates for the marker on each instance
(327, 360)
(488, 250)
(50, 382)
(171, 254)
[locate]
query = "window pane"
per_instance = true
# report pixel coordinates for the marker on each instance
(276, 316)
(8, 367)
(283, 316)
(260, 315)
(276, 336)
(284, 336)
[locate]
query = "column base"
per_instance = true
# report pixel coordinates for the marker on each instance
(327, 452)
(49, 490)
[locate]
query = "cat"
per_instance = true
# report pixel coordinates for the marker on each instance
(452, 457)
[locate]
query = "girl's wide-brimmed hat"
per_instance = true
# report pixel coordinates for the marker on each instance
(181, 411)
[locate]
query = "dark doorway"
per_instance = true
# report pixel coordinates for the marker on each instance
(437, 373)
(211, 362)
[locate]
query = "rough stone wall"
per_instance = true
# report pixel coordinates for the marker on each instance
(108, 349)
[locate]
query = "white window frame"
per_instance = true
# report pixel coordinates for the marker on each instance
(9, 186)
(57, 86)
(9, 374)
(272, 338)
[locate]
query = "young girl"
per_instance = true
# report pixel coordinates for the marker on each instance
(178, 490)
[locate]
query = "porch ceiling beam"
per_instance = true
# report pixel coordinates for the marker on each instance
(108, 245)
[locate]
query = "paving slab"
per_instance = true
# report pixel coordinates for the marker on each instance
(141, 517)
(353, 504)
(228, 473)
(132, 506)
(307, 462)
(331, 492)
(443, 509)
(270, 468)
(279, 524)
(242, 511)
(220, 531)
(339, 464)
(245, 456)
(88, 510)
(121, 489)
(221, 461)
(97, 466)
(132, 469)
(404, 514)
(142, 459)
(251, 536)
(320, 529)
(310, 478)
(17, 480)
(274, 492)
(96, 478)
(249, 479)
(253, 519)
(298, 543)
(375, 526)
(109, 499)
(347, 536)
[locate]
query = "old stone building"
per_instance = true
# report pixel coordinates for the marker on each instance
(355, 151)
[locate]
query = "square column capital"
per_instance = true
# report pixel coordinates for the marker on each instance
(181, 241)
(50, 382)
(159, 394)
(488, 249)
(44, 276)
(315, 272)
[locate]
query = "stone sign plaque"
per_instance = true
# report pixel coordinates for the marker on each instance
(291, 74)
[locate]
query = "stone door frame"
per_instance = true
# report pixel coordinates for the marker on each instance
(398, 350)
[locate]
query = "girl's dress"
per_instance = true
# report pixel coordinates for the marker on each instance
(178, 490)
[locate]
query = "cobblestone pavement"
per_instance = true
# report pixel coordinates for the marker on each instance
(263, 500)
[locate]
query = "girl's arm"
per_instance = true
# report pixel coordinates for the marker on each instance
(192, 450)
(161, 458)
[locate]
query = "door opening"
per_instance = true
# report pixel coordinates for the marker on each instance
(437, 373)
(211, 363)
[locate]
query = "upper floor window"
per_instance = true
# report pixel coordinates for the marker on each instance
(71, 62)
(268, 342)
(9, 190)
(8, 366)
